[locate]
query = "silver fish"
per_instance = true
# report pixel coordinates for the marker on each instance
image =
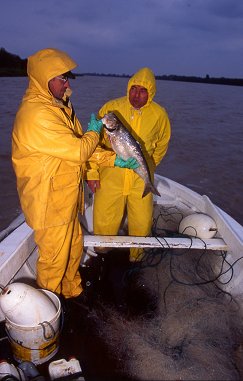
(125, 146)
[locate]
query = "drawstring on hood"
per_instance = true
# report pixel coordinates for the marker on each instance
(133, 110)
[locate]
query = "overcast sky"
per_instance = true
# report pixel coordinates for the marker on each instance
(182, 37)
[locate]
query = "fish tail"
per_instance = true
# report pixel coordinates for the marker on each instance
(150, 188)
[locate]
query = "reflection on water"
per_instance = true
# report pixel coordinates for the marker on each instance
(205, 153)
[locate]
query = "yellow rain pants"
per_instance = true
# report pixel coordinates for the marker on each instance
(60, 248)
(139, 210)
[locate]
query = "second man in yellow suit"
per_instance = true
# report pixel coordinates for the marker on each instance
(118, 189)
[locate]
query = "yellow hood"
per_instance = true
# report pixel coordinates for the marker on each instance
(45, 65)
(144, 77)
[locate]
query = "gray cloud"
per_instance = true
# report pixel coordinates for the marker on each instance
(184, 37)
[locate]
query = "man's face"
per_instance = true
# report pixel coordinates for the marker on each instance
(58, 86)
(138, 96)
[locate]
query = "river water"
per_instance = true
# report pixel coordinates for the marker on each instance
(206, 149)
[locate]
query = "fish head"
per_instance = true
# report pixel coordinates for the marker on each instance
(110, 121)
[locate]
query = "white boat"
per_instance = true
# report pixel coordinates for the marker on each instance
(222, 234)
(18, 250)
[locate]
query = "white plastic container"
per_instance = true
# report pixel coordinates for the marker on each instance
(7, 369)
(63, 368)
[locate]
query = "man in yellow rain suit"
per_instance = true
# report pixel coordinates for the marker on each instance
(120, 189)
(49, 152)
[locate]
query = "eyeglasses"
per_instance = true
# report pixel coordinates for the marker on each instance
(63, 78)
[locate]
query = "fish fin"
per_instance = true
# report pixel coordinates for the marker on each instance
(150, 188)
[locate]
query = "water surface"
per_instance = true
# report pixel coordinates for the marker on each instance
(206, 149)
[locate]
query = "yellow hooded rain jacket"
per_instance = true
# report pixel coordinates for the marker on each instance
(47, 152)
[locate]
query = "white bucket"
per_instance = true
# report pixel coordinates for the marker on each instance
(37, 343)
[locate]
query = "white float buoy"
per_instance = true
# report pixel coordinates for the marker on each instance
(25, 305)
(198, 225)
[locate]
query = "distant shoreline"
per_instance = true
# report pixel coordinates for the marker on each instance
(12, 65)
(207, 80)
(180, 78)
